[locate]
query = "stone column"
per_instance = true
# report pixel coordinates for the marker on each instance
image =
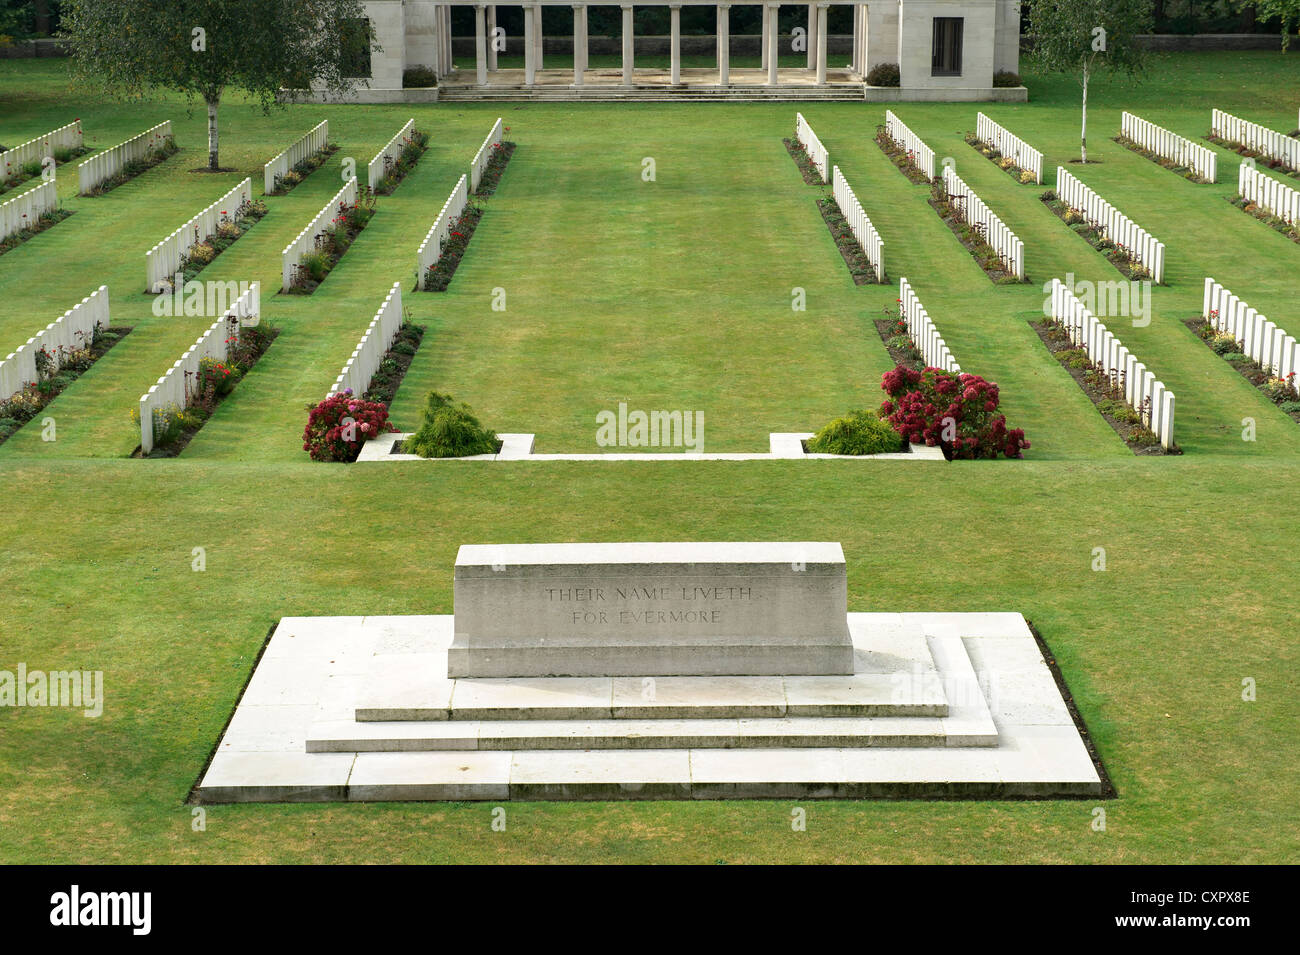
(812, 35)
(480, 42)
(773, 44)
(628, 45)
(491, 33)
(579, 42)
(540, 53)
(675, 15)
(822, 9)
(446, 37)
(763, 41)
(530, 51)
(724, 44)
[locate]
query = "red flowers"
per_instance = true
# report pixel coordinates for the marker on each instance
(339, 425)
(956, 412)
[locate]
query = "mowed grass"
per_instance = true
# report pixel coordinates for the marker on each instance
(667, 294)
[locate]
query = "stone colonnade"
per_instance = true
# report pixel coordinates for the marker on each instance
(486, 54)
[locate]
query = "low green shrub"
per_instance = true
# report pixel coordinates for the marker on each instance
(860, 432)
(449, 430)
(419, 77)
(884, 74)
(1004, 79)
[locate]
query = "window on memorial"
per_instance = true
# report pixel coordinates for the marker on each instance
(945, 57)
(355, 54)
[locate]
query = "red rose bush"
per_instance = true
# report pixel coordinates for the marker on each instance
(341, 424)
(956, 412)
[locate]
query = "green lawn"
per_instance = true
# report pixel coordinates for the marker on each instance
(672, 294)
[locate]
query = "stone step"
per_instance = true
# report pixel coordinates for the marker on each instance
(714, 657)
(312, 672)
(676, 698)
(349, 736)
(649, 94)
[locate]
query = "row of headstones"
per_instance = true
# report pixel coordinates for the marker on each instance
(360, 368)
(859, 224)
(72, 331)
(103, 166)
(390, 153)
(921, 154)
(1009, 144)
(1169, 145)
(25, 210)
(976, 212)
(812, 146)
(1261, 340)
(1285, 149)
(435, 240)
(478, 165)
(38, 149)
(1114, 225)
(921, 329)
(1268, 193)
(310, 144)
(305, 241)
(179, 384)
(1143, 392)
(430, 250)
(165, 259)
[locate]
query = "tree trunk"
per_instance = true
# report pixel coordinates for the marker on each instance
(1083, 130)
(214, 137)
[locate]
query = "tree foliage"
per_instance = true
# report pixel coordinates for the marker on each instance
(203, 47)
(1086, 37)
(1288, 11)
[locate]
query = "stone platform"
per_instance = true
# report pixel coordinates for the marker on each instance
(361, 709)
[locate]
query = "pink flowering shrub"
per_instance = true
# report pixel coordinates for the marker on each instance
(958, 413)
(339, 425)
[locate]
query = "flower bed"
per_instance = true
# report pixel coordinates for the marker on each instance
(285, 184)
(1005, 163)
(1117, 255)
(26, 404)
(1107, 394)
(902, 350)
(231, 228)
(137, 166)
(438, 276)
(1276, 165)
(957, 412)
(395, 363)
(501, 153)
(1282, 392)
(395, 170)
(332, 244)
(43, 222)
(32, 170)
(902, 159)
(1184, 171)
(801, 159)
(971, 237)
(175, 427)
(855, 257)
(339, 426)
(1275, 222)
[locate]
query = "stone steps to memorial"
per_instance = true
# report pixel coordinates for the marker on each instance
(652, 94)
(346, 736)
